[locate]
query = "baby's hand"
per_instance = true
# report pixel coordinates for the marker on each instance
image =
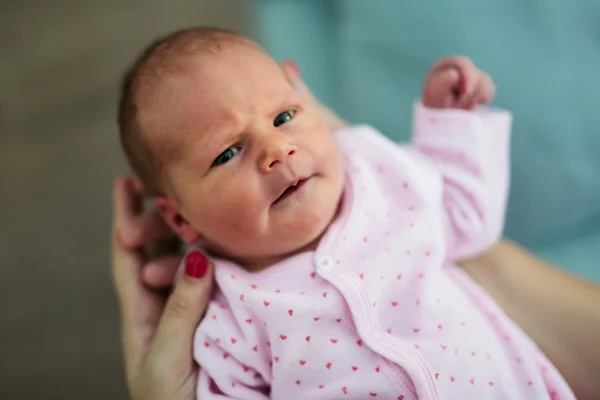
(454, 82)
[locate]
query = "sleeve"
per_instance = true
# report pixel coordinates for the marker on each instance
(229, 368)
(470, 149)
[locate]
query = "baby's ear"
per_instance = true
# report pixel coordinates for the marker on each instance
(173, 217)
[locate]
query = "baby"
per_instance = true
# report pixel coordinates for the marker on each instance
(333, 251)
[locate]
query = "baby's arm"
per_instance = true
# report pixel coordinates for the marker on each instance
(229, 367)
(470, 149)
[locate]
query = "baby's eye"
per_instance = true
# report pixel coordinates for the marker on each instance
(283, 118)
(225, 156)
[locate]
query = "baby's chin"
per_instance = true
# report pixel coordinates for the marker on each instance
(269, 248)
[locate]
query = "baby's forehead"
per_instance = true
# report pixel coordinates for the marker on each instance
(209, 91)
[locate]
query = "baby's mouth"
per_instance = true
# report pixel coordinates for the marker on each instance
(290, 190)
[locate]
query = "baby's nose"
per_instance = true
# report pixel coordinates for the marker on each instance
(276, 152)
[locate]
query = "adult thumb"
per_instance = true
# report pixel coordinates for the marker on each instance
(184, 309)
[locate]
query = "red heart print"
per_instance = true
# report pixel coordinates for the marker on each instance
(328, 365)
(440, 327)
(389, 331)
(452, 379)
(246, 369)
(276, 359)
(232, 276)
(405, 185)
(225, 355)
(255, 348)
(278, 291)
(529, 383)
(444, 347)
(283, 337)
(418, 302)
(321, 386)
(297, 382)
(313, 275)
(316, 318)
(416, 346)
(206, 344)
(308, 338)
(338, 320)
(241, 297)
(427, 254)
(334, 341)
(290, 312)
(377, 369)
(266, 303)
(473, 354)
(394, 303)
(324, 294)
(491, 383)
(354, 368)
(217, 340)
(373, 394)
(437, 375)
(253, 286)
(214, 316)
(345, 390)
(463, 323)
(416, 330)
(233, 341)
(302, 362)
(249, 321)
(421, 275)
(362, 276)
(399, 277)
(365, 239)
(359, 342)
(472, 381)
(400, 398)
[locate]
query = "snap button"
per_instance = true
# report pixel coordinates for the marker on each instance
(324, 263)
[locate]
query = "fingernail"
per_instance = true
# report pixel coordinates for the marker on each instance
(295, 68)
(196, 265)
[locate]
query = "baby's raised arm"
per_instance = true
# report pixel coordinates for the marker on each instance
(468, 144)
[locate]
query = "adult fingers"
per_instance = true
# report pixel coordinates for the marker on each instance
(183, 311)
(144, 230)
(160, 273)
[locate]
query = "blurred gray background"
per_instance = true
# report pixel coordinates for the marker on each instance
(60, 64)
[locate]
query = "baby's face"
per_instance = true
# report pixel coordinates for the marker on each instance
(257, 174)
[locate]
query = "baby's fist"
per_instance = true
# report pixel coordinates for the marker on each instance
(454, 82)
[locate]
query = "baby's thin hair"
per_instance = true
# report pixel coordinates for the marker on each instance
(165, 57)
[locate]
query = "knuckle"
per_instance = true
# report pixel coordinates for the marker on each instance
(178, 306)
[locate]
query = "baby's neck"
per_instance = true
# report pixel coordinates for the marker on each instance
(258, 264)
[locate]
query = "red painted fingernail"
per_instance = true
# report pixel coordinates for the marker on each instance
(294, 67)
(196, 264)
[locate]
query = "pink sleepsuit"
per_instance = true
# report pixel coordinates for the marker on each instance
(378, 309)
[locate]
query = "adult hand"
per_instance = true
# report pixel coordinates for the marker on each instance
(157, 331)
